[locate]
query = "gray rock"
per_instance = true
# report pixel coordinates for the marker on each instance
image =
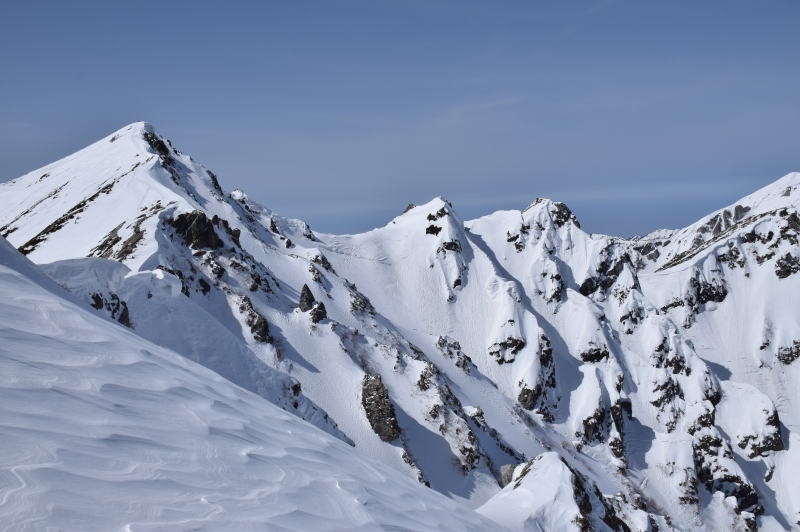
(318, 313)
(379, 408)
(306, 299)
(197, 230)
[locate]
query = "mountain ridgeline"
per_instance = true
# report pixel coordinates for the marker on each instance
(547, 377)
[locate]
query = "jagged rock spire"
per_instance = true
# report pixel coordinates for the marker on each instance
(306, 299)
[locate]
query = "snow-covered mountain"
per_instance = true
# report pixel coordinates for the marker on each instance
(539, 374)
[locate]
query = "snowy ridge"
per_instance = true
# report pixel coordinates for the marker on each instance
(448, 349)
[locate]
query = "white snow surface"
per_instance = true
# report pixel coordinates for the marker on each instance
(103, 430)
(660, 373)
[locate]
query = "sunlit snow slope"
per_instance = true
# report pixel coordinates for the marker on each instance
(655, 379)
(102, 430)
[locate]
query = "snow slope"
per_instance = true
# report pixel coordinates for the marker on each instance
(447, 348)
(103, 430)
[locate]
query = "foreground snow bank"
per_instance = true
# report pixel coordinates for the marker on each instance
(102, 430)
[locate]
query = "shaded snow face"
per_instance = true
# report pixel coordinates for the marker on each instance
(659, 373)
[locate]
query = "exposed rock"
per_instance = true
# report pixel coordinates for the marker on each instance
(106, 247)
(596, 426)
(665, 392)
(650, 250)
(716, 477)
(359, 302)
(452, 349)
(204, 286)
(426, 376)
(453, 245)
(306, 299)
(763, 445)
(506, 350)
(117, 309)
(323, 261)
(159, 147)
(185, 285)
(594, 354)
(665, 357)
(196, 230)
(608, 271)
(732, 258)
(7, 229)
(540, 396)
(257, 323)
(441, 213)
(61, 221)
(316, 276)
(318, 313)
(234, 234)
(561, 215)
(786, 266)
(379, 408)
(214, 181)
(789, 354)
(675, 303)
(433, 230)
(527, 398)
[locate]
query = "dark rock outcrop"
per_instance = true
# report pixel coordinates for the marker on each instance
(786, 266)
(359, 302)
(433, 230)
(116, 308)
(323, 261)
(452, 245)
(158, 146)
(716, 477)
(318, 313)
(527, 398)
(762, 446)
(562, 214)
(306, 299)
(704, 291)
(452, 350)
(214, 181)
(62, 220)
(789, 354)
(506, 350)
(608, 271)
(197, 230)
(257, 323)
(379, 408)
(594, 354)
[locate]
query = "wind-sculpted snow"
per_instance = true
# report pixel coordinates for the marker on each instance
(102, 430)
(661, 372)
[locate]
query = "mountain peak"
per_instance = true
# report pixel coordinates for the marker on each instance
(556, 210)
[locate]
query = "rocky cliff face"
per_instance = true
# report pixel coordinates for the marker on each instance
(450, 348)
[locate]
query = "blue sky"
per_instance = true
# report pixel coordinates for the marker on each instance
(638, 114)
